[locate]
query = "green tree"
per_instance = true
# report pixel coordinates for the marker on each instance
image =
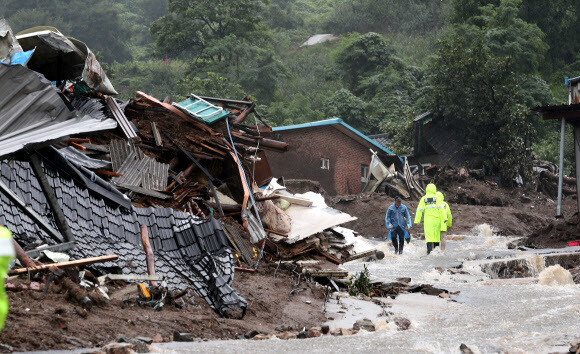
(505, 32)
(363, 55)
(212, 29)
(480, 99)
(508, 34)
(559, 20)
(353, 110)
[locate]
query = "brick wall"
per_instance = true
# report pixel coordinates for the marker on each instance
(308, 146)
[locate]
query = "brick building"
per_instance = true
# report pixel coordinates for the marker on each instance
(330, 152)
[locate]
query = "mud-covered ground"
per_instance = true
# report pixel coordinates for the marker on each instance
(58, 322)
(511, 212)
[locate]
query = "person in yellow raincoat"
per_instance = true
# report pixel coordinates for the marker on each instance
(434, 216)
(6, 254)
(445, 225)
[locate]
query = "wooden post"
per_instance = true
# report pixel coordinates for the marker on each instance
(149, 256)
(24, 259)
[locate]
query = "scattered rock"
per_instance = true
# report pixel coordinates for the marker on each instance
(575, 347)
(119, 348)
(404, 280)
(456, 265)
(182, 337)
(365, 324)
(251, 334)
(146, 340)
(302, 335)
(403, 324)
(287, 335)
(314, 332)
(325, 329)
(444, 295)
(140, 347)
(158, 338)
(415, 288)
(261, 336)
(379, 254)
(465, 349)
(5, 348)
(123, 339)
(336, 332)
(346, 332)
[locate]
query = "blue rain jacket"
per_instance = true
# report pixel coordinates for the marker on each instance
(396, 217)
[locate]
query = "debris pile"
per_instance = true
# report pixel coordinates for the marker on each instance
(147, 199)
(140, 198)
(302, 226)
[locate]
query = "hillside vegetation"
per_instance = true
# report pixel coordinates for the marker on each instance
(479, 64)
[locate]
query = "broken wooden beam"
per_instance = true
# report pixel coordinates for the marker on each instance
(24, 259)
(156, 135)
(323, 273)
(76, 263)
(244, 270)
(360, 255)
(130, 277)
(149, 257)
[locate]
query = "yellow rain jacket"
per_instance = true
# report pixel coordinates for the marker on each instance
(6, 254)
(447, 212)
(434, 215)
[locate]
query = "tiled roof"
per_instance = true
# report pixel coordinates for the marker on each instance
(189, 252)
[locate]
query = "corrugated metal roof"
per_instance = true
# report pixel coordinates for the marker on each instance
(31, 111)
(335, 121)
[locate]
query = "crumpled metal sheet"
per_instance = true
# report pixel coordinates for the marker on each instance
(78, 158)
(8, 43)
(76, 60)
(32, 111)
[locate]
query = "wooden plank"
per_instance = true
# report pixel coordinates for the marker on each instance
(156, 134)
(323, 273)
(360, 255)
(244, 270)
(294, 200)
(130, 277)
(79, 262)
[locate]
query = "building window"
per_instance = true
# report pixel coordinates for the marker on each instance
(364, 173)
(325, 164)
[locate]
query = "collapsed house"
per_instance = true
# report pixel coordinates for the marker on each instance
(149, 189)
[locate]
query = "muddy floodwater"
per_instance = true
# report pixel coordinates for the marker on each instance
(489, 314)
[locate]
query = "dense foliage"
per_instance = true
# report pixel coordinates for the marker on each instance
(478, 64)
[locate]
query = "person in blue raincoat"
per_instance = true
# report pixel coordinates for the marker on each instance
(398, 220)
